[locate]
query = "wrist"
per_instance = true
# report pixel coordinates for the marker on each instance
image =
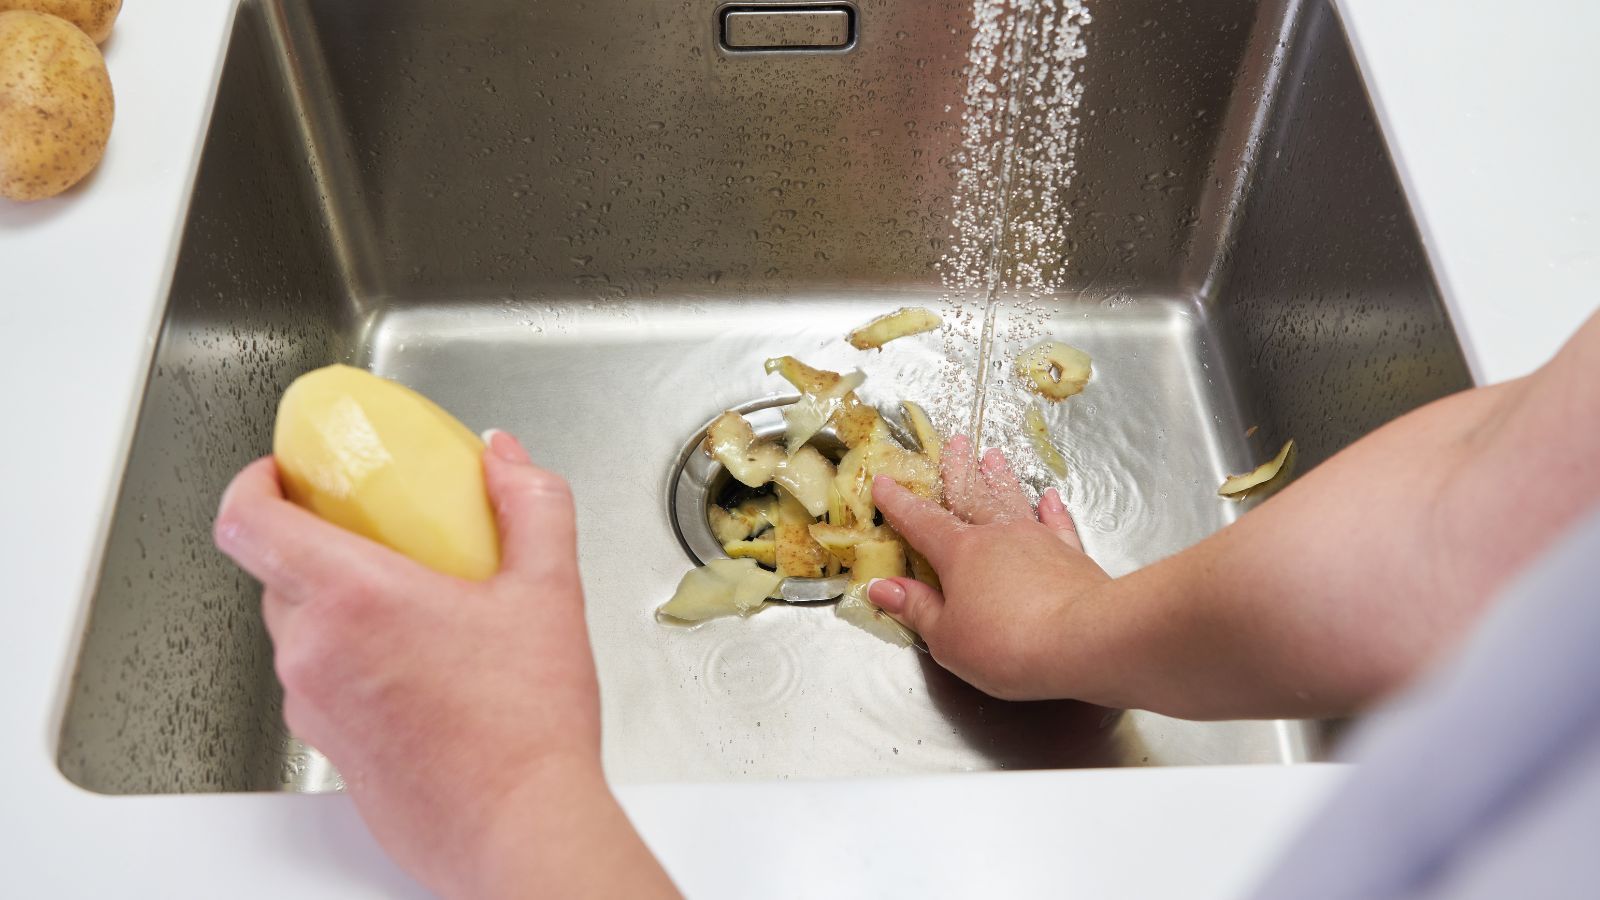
(534, 825)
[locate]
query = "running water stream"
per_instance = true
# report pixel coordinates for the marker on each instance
(1008, 243)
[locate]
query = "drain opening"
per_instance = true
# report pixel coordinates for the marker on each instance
(700, 482)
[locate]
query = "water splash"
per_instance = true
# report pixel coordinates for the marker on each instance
(1008, 244)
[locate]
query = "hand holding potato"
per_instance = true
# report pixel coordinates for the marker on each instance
(55, 105)
(464, 715)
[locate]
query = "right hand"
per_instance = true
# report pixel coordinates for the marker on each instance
(1016, 615)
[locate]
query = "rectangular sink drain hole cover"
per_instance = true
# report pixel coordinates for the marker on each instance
(825, 27)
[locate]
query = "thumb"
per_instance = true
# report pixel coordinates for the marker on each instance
(1053, 514)
(913, 603)
(533, 507)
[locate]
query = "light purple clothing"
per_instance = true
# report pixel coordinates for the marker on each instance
(1484, 782)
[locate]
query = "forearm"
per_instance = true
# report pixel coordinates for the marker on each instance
(566, 837)
(1341, 588)
(1328, 595)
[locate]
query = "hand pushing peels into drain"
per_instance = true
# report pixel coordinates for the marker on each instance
(814, 516)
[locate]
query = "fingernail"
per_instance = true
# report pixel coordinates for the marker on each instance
(1052, 498)
(994, 458)
(506, 447)
(889, 595)
(881, 481)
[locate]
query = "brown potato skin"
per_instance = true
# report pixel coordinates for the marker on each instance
(94, 17)
(56, 105)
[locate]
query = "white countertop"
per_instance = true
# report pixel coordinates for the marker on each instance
(1492, 112)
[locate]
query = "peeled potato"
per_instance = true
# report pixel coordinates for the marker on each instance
(55, 105)
(93, 17)
(382, 460)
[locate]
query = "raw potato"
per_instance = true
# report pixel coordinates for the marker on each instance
(1054, 370)
(1039, 434)
(93, 17)
(723, 587)
(56, 105)
(898, 324)
(381, 460)
(1238, 487)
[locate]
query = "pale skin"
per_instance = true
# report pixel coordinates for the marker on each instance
(1319, 602)
(398, 673)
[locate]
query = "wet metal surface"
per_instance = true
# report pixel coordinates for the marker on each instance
(589, 224)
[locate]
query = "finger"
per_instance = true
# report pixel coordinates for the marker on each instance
(928, 526)
(538, 523)
(292, 551)
(914, 604)
(1004, 497)
(960, 470)
(1053, 513)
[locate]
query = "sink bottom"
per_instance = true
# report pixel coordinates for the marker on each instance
(605, 393)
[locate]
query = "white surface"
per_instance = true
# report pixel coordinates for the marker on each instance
(1493, 113)
(1492, 110)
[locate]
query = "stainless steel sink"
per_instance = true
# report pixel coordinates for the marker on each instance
(589, 224)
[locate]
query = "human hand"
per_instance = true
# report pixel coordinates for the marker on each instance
(1017, 612)
(457, 711)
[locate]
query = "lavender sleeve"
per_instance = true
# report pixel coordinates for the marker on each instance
(1484, 781)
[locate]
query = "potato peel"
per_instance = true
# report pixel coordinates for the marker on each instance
(808, 475)
(1055, 370)
(875, 559)
(893, 326)
(731, 441)
(1237, 487)
(723, 587)
(928, 439)
(763, 551)
(813, 411)
(842, 541)
(1039, 434)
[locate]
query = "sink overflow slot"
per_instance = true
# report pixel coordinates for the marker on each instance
(787, 28)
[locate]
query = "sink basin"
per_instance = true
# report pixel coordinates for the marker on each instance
(589, 224)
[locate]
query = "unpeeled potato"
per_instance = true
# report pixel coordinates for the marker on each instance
(55, 105)
(93, 17)
(382, 460)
